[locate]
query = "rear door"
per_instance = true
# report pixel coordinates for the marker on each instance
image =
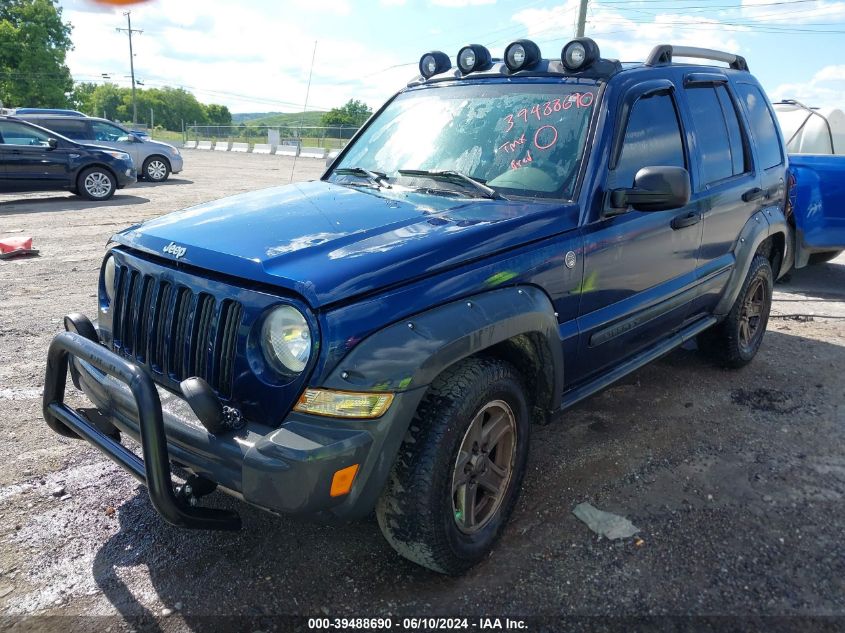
(727, 188)
(30, 163)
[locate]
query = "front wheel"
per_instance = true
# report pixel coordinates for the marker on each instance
(96, 183)
(458, 473)
(735, 341)
(156, 169)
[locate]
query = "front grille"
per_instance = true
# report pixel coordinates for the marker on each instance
(175, 332)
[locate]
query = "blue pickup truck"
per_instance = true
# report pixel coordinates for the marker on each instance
(501, 240)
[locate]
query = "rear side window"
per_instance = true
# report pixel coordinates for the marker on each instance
(762, 125)
(652, 138)
(717, 132)
(76, 130)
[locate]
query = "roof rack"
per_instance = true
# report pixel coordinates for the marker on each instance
(662, 55)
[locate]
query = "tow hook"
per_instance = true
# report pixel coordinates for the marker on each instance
(194, 488)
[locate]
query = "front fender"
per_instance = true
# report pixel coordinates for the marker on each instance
(413, 352)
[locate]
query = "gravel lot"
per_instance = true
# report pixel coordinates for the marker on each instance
(736, 479)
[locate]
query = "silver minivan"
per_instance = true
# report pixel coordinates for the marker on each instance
(155, 161)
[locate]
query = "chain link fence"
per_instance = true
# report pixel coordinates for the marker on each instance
(328, 137)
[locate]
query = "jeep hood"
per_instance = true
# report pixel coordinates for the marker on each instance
(329, 242)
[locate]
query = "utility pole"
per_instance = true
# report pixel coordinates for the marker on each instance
(129, 31)
(582, 18)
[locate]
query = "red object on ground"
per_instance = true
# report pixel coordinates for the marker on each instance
(16, 247)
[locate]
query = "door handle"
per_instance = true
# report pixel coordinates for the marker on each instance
(752, 194)
(683, 221)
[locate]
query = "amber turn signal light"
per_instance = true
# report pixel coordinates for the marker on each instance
(342, 480)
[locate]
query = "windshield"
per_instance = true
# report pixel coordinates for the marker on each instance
(518, 139)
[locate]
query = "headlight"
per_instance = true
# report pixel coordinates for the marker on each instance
(175, 151)
(108, 277)
(117, 155)
(286, 340)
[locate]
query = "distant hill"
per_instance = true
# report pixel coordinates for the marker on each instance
(241, 117)
(277, 118)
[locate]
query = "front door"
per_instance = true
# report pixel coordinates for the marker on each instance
(110, 135)
(29, 161)
(640, 267)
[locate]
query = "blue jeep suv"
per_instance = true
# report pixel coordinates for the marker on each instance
(501, 240)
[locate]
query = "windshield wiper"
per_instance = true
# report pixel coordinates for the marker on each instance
(376, 177)
(455, 177)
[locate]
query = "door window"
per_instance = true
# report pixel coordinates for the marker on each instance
(717, 132)
(76, 130)
(763, 126)
(652, 138)
(108, 132)
(12, 133)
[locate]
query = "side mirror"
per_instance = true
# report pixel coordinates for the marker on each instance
(330, 158)
(52, 143)
(655, 189)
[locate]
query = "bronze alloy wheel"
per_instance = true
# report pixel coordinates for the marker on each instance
(752, 313)
(484, 466)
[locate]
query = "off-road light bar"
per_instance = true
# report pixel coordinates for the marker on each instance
(521, 54)
(473, 57)
(579, 54)
(434, 63)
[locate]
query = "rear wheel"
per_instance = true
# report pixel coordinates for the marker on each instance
(96, 183)
(735, 341)
(156, 169)
(458, 473)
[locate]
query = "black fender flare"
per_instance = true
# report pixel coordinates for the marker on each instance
(411, 353)
(760, 226)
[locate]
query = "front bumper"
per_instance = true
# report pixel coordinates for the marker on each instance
(126, 175)
(176, 163)
(288, 469)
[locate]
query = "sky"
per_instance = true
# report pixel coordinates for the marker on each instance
(255, 55)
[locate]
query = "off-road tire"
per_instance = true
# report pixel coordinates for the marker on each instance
(415, 511)
(725, 342)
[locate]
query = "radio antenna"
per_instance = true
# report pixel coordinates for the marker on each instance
(304, 109)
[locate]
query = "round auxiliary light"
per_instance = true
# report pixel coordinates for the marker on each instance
(434, 63)
(521, 54)
(473, 57)
(579, 54)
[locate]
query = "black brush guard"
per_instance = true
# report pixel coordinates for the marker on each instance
(154, 469)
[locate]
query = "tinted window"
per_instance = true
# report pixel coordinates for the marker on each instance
(717, 131)
(762, 125)
(652, 138)
(739, 158)
(711, 132)
(77, 130)
(108, 132)
(12, 133)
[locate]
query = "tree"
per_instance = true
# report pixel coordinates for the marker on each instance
(34, 42)
(81, 97)
(218, 114)
(353, 113)
(106, 100)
